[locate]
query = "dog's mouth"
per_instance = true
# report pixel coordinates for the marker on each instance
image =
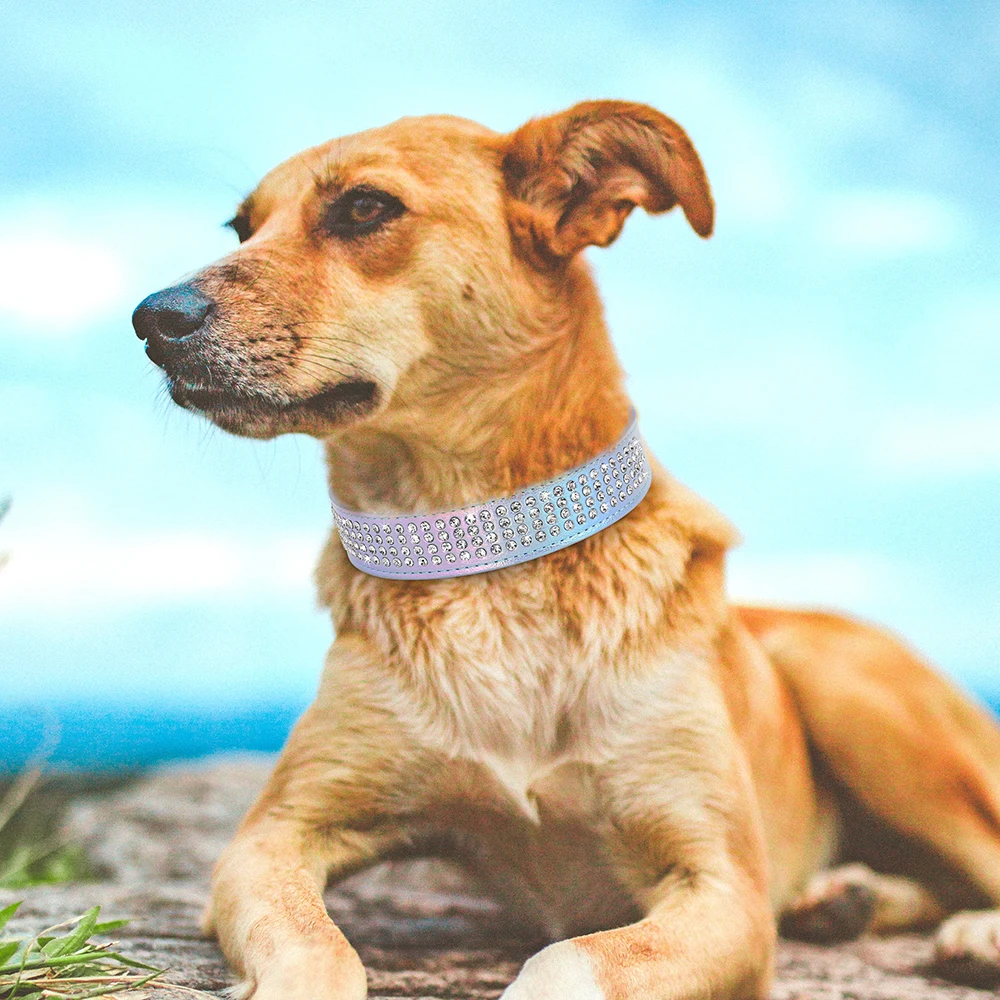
(352, 394)
(344, 402)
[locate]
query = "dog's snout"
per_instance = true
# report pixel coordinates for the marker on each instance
(172, 313)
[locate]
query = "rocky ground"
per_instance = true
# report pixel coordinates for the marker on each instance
(421, 929)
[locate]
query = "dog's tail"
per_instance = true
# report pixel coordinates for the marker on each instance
(914, 750)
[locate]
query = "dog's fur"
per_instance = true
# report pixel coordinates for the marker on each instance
(649, 774)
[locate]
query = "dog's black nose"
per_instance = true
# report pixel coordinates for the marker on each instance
(173, 313)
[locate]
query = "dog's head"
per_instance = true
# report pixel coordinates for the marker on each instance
(378, 268)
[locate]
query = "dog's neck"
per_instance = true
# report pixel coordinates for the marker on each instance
(558, 405)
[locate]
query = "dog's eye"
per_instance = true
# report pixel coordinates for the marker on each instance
(240, 225)
(361, 211)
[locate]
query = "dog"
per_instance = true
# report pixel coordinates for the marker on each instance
(654, 778)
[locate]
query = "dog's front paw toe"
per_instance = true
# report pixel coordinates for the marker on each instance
(559, 971)
(967, 948)
(243, 990)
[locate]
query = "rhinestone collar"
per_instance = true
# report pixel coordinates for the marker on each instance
(503, 532)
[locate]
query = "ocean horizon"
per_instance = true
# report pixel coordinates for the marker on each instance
(87, 737)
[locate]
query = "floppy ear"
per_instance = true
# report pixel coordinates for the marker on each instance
(573, 178)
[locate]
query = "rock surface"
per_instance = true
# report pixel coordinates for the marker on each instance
(421, 928)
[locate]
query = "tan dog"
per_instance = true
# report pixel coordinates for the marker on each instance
(647, 773)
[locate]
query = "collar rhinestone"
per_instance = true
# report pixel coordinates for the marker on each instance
(533, 522)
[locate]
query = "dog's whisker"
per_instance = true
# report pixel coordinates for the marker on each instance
(317, 366)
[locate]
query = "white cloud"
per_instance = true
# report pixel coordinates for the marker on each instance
(889, 223)
(68, 263)
(957, 349)
(52, 280)
(787, 391)
(86, 568)
(939, 442)
(853, 580)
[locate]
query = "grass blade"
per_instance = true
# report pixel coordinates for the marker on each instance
(70, 966)
(7, 912)
(72, 943)
(108, 926)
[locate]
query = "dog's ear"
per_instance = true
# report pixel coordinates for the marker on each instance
(573, 178)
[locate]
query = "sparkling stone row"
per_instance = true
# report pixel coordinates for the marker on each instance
(500, 532)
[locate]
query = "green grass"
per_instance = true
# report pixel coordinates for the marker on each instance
(63, 962)
(30, 852)
(32, 805)
(69, 966)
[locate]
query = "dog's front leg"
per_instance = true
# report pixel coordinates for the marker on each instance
(268, 913)
(332, 806)
(708, 940)
(690, 845)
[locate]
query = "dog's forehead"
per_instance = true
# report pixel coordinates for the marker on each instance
(427, 151)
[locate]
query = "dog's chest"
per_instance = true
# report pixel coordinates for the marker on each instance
(542, 849)
(522, 703)
(505, 667)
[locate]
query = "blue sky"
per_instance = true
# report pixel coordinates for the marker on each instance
(825, 369)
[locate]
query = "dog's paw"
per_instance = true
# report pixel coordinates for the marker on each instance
(298, 974)
(967, 948)
(302, 988)
(836, 906)
(241, 991)
(557, 972)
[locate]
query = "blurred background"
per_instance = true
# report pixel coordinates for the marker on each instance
(825, 369)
